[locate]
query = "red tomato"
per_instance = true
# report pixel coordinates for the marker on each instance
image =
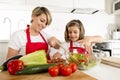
(73, 66)
(66, 70)
(53, 71)
(15, 65)
(60, 65)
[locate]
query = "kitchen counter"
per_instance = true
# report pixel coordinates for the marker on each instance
(112, 40)
(104, 72)
(99, 72)
(78, 75)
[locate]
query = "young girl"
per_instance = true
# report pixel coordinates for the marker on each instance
(75, 38)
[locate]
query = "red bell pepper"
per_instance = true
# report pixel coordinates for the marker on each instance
(15, 65)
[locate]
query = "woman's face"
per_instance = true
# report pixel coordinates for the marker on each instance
(73, 33)
(39, 22)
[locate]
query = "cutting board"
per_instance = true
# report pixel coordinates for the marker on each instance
(78, 75)
(112, 61)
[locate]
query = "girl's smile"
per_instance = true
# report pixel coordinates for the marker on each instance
(73, 33)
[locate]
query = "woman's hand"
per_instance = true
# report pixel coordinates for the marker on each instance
(56, 55)
(53, 42)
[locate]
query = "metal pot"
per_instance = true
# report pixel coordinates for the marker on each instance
(104, 46)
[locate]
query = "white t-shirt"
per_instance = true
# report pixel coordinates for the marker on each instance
(19, 39)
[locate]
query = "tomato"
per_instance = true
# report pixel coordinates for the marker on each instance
(66, 70)
(60, 65)
(53, 71)
(73, 66)
(15, 65)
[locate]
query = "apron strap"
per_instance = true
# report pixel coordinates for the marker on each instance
(44, 40)
(71, 45)
(28, 35)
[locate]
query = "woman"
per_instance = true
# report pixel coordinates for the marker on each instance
(33, 38)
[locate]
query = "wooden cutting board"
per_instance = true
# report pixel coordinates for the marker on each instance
(78, 75)
(113, 61)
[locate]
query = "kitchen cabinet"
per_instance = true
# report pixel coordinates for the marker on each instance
(51, 3)
(109, 6)
(12, 1)
(61, 5)
(97, 4)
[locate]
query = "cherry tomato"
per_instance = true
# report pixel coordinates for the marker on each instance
(66, 70)
(15, 65)
(73, 66)
(53, 71)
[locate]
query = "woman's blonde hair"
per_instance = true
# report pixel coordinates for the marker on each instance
(72, 23)
(42, 10)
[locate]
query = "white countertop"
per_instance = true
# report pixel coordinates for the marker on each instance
(104, 72)
(112, 40)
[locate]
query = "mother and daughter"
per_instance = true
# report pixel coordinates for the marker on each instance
(33, 38)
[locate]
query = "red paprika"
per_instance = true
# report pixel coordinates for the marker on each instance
(15, 65)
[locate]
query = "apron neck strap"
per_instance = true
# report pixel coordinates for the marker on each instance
(28, 34)
(71, 44)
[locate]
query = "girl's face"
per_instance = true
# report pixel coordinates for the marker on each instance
(39, 22)
(73, 33)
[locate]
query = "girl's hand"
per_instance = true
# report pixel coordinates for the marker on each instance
(87, 43)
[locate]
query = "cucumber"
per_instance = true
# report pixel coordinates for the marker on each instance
(35, 69)
(3, 67)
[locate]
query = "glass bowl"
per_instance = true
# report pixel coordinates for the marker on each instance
(85, 61)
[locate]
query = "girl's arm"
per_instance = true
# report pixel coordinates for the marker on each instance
(89, 40)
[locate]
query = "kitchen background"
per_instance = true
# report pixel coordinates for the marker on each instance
(96, 15)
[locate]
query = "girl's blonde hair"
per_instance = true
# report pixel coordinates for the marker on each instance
(42, 10)
(72, 23)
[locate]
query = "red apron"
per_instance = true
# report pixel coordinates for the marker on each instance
(78, 49)
(34, 46)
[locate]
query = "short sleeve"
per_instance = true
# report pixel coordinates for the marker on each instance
(17, 40)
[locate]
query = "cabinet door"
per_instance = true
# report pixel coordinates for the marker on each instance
(13, 1)
(51, 3)
(109, 6)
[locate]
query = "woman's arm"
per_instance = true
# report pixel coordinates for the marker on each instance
(11, 52)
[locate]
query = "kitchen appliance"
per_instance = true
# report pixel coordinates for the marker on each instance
(116, 7)
(104, 46)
